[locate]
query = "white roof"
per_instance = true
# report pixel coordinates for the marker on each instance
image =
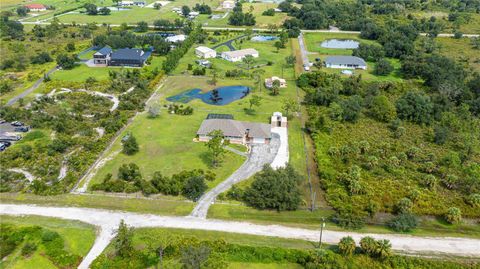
(240, 53)
(176, 38)
(204, 49)
(193, 13)
(279, 79)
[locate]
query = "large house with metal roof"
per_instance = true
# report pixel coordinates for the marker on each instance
(238, 55)
(237, 132)
(345, 62)
(121, 57)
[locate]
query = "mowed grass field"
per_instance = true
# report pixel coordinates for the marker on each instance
(461, 50)
(313, 43)
(264, 21)
(78, 236)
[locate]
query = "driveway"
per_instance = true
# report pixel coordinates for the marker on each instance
(260, 155)
(303, 50)
(31, 89)
(108, 221)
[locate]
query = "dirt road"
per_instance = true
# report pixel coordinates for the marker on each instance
(108, 221)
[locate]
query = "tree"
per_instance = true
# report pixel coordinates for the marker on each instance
(194, 257)
(130, 145)
(257, 76)
(255, 100)
(22, 11)
(185, 11)
(453, 215)
(194, 188)
(346, 246)
(70, 47)
(290, 60)
(129, 172)
(278, 45)
(382, 109)
(416, 107)
(404, 205)
(216, 146)
(248, 60)
(66, 62)
(368, 245)
(91, 9)
(275, 89)
(104, 11)
(142, 26)
(290, 105)
(153, 110)
(123, 241)
(383, 67)
(384, 248)
(274, 189)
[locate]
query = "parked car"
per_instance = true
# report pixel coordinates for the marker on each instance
(2, 121)
(17, 123)
(2, 147)
(4, 138)
(22, 129)
(306, 67)
(6, 143)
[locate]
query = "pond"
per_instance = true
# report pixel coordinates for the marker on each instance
(220, 96)
(263, 38)
(340, 44)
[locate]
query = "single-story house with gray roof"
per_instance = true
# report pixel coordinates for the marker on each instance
(238, 132)
(345, 62)
(121, 57)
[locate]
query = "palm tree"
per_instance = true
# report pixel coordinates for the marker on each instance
(384, 248)
(248, 60)
(257, 77)
(346, 246)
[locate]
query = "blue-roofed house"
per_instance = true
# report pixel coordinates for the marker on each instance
(121, 57)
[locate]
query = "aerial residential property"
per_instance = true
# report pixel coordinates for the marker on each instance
(36, 7)
(238, 55)
(121, 57)
(348, 62)
(228, 134)
(205, 52)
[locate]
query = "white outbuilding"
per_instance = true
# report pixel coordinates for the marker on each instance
(176, 38)
(205, 52)
(238, 55)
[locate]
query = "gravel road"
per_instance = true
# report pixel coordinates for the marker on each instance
(108, 222)
(260, 155)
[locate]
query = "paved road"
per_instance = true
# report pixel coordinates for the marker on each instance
(31, 89)
(108, 221)
(260, 155)
(228, 43)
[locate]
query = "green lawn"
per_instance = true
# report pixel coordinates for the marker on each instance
(80, 73)
(264, 21)
(78, 236)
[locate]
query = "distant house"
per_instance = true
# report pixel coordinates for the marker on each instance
(269, 82)
(238, 132)
(132, 3)
(102, 56)
(36, 7)
(205, 53)
(120, 57)
(346, 62)
(238, 55)
(228, 4)
(176, 38)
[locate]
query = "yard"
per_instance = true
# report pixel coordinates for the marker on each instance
(313, 43)
(78, 236)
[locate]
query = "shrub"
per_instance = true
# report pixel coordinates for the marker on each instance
(474, 200)
(130, 145)
(194, 188)
(382, 110)
(368, 245)
(383, 67)
(404, 205)
(453, 215)
(404, 222)
(28, 249)
(346, 246)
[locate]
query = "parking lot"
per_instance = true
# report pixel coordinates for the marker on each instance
(9, 134)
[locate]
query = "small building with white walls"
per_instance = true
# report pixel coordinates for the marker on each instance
(269, 82)
(228, 4)
(278, 120)
(238, 55)
(205, 52)
(345, 62)
(176, 38)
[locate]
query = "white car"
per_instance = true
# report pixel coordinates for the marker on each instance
(306, 67)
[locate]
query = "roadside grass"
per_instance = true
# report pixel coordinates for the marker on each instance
(163, 205)
(461, 50)
(311, 220)
(79, 238)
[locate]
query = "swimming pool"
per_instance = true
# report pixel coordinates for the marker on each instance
(263, 38)
(340, 44)
(220, 96)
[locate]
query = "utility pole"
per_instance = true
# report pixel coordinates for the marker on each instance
(322, 225)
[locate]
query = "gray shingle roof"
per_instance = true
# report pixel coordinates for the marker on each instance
(353, 60)
(104, 51)
(127, 54)
(235, 128)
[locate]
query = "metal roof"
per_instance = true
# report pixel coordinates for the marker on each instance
(220, 116)
(353, 60)
(240, 53)
(104, 51)
(127, 54)
(235, 128)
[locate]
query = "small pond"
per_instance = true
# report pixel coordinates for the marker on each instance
(340, 44)
(263, 38)
(220, 96)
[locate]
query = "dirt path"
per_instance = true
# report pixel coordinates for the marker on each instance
(28, 175)
(108, 221)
